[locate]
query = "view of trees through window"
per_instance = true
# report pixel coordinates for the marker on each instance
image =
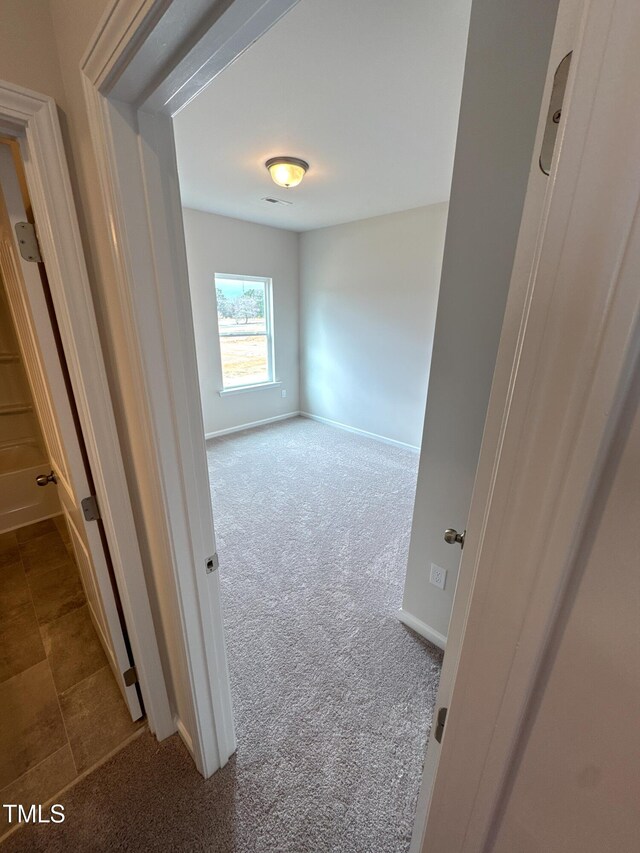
(244, 327)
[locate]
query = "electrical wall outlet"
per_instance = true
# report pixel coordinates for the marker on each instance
(284, 392)
(438, 576)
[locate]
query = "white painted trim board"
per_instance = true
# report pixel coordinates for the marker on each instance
(29, 523)
(185, 736)
(373, 435)
(423, 629)
(32, 118)
(252, 425)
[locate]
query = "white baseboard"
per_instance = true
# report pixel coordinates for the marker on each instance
(253, 424)
(423, 629)
(184, 734)
(31, 521)
(364, 432)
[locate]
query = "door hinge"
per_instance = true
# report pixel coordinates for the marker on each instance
(211, 564)
(90, 508)
(28, 242)
(130, 676)
(440, 721)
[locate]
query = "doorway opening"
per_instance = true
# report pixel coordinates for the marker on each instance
(314, 310)
(157, 285)
(63, 704)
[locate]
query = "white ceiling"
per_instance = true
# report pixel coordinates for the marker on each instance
(367, 91)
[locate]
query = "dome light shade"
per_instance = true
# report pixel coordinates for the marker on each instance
(286, 171)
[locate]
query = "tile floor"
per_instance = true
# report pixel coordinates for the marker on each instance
(61, 711)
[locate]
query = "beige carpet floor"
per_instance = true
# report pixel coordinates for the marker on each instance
(333, 697)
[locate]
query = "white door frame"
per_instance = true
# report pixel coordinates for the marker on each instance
(132, 90)
(563, 387)
(33, 120)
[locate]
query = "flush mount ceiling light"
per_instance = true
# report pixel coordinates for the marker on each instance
(286, 171)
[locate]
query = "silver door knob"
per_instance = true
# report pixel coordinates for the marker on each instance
(452, 537)
(45, 479)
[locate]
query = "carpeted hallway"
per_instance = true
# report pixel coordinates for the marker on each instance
(333, 697)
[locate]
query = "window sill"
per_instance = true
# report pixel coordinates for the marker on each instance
(240, 389)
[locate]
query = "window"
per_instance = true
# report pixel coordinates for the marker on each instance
(245, 330)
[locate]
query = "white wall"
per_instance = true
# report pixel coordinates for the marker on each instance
(28, 56)
(368, 295)
(498, 118)
(219, 244)
(576, 787)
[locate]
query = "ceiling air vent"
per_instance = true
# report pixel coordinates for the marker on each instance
(276, 201)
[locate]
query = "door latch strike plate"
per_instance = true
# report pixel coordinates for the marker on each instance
(130, 676)
(554, 114)
(211, 564)
(28, 242)
(90, 508)
(441, 719)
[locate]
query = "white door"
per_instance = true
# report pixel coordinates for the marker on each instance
(537, 199)
(28, 302)
(484, 719)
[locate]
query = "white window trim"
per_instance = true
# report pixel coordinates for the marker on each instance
(267, 281)
(241, 389)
